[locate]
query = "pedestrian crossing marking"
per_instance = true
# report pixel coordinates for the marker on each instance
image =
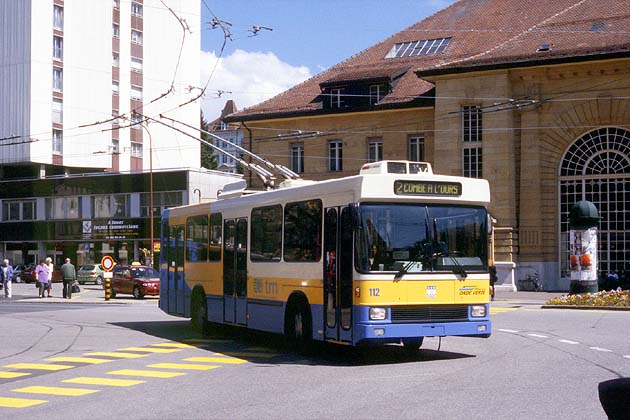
(119, 354)
(174, 345)
(499, 310)
(151, 349)
(184, 366)
(226, 360)
(89, 360)
(207, 340)
(54, 390)
(104, 381)
(246, 354)
(11, 375)
(19, 402)
(146, 373)
(38, 366)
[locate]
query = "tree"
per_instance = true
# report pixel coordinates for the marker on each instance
(208, 158)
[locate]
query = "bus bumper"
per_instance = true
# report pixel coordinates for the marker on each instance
(393, 333)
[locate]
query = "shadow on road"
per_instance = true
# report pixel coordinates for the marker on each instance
(265, 348)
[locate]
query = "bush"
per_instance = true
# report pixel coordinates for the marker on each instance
(605, 298)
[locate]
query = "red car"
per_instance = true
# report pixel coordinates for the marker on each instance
(137, 280)
(29, 276)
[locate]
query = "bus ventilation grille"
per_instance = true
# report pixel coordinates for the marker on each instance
(430, 313)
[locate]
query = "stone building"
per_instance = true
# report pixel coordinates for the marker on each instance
(529, 94)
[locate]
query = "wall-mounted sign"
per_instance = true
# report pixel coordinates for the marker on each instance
(449, 189)
(112, 229)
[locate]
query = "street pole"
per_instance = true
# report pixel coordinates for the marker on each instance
(151, 246)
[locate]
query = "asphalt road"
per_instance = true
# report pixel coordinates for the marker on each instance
(132, 361)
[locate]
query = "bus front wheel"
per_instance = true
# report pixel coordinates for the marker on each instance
(199, 312)
(298, 326)
(412, 345)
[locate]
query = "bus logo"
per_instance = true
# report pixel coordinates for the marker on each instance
(431, 292)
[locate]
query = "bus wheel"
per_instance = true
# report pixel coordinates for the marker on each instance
(298, 326)
(199, 312)
(412, 345)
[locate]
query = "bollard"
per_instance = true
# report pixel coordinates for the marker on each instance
(108, 288)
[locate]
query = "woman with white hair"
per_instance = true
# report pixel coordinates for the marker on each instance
(6, 276)
(51, 268)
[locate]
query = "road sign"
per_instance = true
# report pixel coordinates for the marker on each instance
(107, 263)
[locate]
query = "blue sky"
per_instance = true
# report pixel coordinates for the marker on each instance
(307, 37)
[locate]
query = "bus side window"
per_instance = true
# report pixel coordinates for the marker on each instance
(216, 236)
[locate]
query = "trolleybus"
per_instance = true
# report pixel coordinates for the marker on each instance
(391, 255)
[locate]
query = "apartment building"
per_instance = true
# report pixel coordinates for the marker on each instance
(77, 80)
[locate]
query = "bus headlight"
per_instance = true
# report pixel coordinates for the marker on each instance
(377, 314)
(478, 311)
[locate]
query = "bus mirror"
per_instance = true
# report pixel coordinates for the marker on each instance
(491, 221)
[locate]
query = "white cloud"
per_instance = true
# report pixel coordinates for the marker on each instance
(247, 78)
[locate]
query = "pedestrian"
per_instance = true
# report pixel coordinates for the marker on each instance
(69, 276)
(51, 269)
(42, 277)
(6, 277)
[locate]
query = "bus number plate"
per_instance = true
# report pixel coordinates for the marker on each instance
(375, 291)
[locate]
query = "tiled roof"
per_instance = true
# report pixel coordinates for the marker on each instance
(482, 32)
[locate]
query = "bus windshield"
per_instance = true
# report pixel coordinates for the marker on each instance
(414, 238)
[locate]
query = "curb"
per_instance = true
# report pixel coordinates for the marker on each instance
(587, 308)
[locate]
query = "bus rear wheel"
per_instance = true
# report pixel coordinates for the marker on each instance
(298, 326)
(199, 312)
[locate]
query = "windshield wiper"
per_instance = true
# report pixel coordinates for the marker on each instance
(405, 268)
(458, 269)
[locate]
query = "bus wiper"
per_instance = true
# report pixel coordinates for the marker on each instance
(405, 268)
(458, 269)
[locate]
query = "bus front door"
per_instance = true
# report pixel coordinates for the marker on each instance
(176, 271)
(338, 274)
(235, 271)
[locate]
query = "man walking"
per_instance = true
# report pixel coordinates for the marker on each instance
(6, 277)
(69, 276)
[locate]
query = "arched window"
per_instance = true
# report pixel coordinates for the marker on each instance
(596, 167)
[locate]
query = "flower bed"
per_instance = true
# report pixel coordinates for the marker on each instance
(605, 298)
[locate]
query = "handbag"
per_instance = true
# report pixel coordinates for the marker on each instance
(75, 287)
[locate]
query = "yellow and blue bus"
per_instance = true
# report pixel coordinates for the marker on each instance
(391, 255)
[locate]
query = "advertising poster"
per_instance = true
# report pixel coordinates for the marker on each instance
(583, 259)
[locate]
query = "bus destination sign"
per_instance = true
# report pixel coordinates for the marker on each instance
(448, 189)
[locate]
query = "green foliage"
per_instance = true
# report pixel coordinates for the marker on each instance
(605, 298)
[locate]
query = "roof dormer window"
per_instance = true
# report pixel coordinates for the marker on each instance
(416, 48)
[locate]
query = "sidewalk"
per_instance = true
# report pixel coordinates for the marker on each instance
(90, 293)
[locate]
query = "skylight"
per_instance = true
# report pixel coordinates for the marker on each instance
(416, 48)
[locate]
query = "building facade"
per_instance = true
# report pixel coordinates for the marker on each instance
(538, 105)
(77, 152)
(234, 136)
(74, 72)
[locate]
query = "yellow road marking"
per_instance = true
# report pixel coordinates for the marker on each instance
(19, 402)
(227, 360)
(146, 373)
(119, 354)
(175, 345)
(151, 349)
(207, 340)
(246, 354)
(9, 375)
(184, 366)
(104, 381)
(54, 390)
(498, 310)
(89, 360)
(38, 366)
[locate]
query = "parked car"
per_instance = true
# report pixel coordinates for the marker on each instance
(17, 272)
(90, 273)
(29, 275)
(138, 280)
